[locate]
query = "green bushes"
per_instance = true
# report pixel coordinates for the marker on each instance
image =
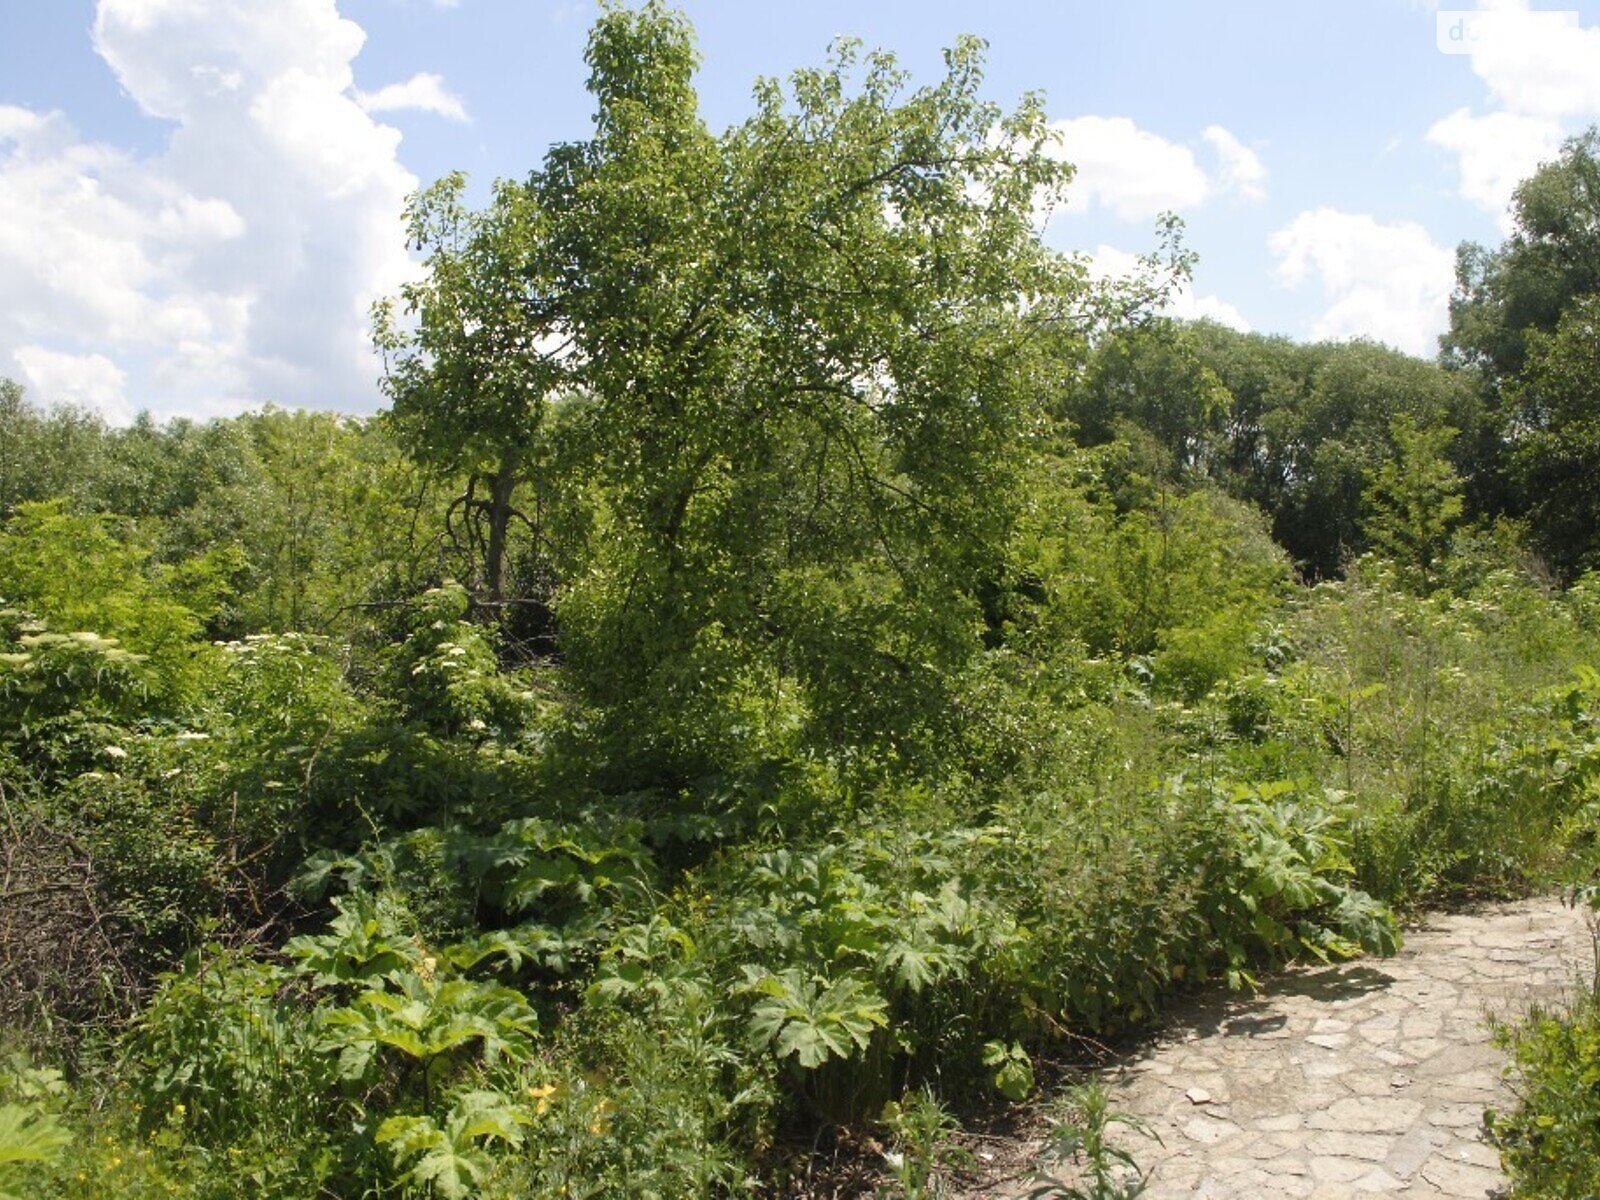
(1445, 720)
(31, 1134)
(881, 962)
(871, 739)
(1550, 1144)
(537, 975)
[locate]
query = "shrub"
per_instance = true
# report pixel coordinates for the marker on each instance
(1550, 1144)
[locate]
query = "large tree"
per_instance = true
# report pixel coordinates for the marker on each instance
(1551, 257)
(1508, 306)
(474, 356)
(804, 357)
(1555, 438)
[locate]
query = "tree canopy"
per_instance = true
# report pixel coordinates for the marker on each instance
(808, 349)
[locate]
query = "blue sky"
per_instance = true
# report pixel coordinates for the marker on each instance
(199, 198)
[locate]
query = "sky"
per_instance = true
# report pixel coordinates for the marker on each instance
(200, 199)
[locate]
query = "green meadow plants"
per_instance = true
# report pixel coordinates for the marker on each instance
(1549, 1143)
(1081, 1142)
(32, 1135)
(921, 1154)
(797, 657)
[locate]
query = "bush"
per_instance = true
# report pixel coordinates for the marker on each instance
(1550, 1144)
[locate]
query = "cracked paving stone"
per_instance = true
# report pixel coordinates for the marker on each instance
(1367, 1078)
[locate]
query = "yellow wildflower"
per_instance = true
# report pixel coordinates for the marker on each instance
(542, 1096)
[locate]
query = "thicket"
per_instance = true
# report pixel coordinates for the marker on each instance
(794, 660)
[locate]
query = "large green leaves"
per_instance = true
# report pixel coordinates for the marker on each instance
(422, 1020)
(814, 1020)
(26, 1136)
(451, 1159)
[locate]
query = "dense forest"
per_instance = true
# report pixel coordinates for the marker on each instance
(796, 661)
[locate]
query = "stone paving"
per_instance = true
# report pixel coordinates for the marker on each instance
(1367, 1078)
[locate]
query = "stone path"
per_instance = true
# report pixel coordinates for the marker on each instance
(1368, 1078)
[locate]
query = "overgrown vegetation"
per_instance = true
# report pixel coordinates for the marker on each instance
(795, 655)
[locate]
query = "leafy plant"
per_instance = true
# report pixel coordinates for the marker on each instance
(813, 1020)
(1550, 1142)
(27, 1136)
(1080, 1136)
(428, 1022)
(920, 1130)
(449, 1160)
(1013, 1070)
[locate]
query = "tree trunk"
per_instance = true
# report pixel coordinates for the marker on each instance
(501, 486)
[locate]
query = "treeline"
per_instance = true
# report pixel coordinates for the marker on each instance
(794, 657)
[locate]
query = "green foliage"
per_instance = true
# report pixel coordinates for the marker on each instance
(813, 1019)
(1551, 258)
(1439, 712)
(43, 455)
(246, 1056)
(1079, 1133)
(447, 672)
(1013, 1070)
(32, 1136)
(26, 1136)
(449, 1160)
(845, 289)
(1555, 405)
(1550, 1143)
(920, 1130)
(430, 1022)
(159, 870)
(65, 693)
(1522, 317)
(1299, 431)
(878, 658)
(224, 1045)
(79, 573)
(1414, 500)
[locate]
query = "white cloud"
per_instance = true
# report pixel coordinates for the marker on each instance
(1241, 169)
(1495, 153)
(1539, 64)
(1387, 281)
(424, 92)
(1131, 171)
(237, 265)
(94, 247)
(17, 124)
(1137, 174)
(87, 380)
(1542, 70)
(1110, 263)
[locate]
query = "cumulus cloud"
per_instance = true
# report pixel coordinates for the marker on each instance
(1495, 152)
(90, 381)
(424, 92)
(1136, 174)
(1540, 64)
(1240, 169)
(1388, 281)
(95, 251)
(235, 266)
(1542, 70)
(1110, 263)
